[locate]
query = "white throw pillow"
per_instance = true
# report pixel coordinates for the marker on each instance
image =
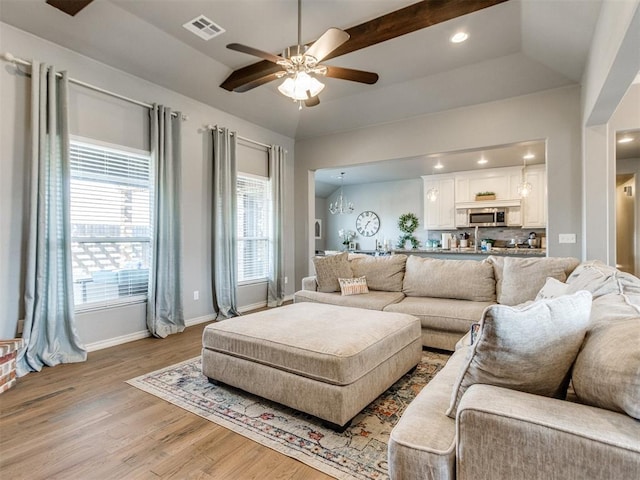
(527, 348)
(552, 288)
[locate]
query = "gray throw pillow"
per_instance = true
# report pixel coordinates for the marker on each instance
(528, 348)
(329, 269)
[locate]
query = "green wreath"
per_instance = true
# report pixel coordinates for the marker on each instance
(408, 223)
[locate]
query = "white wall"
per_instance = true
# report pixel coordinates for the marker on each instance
(553, 116)
(389, 200)
(612, 65)
(90, 119)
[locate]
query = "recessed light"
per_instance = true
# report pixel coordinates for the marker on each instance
(626, 139)
(459, 37)
(529, 156)
(438, 165)
(482, 161)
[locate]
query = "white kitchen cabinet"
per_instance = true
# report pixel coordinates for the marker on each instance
(514, 217)
(502, 181)
(441, 213)
(534, 207)
(462, 217)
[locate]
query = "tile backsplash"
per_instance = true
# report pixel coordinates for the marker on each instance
(499, 233)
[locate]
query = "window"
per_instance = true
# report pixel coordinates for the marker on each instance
(111, 227)
(253, 228)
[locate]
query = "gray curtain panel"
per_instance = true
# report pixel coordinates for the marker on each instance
(164, 303)
(49, 330)
(275, 290)
(224, 245)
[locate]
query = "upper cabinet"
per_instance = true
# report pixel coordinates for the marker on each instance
(440, 214)
(502, 181)
(534, 206)
(457, 193)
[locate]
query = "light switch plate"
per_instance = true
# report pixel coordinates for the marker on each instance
(567, 238)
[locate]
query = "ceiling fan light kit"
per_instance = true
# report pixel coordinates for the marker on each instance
(300, 66)
(301, 87)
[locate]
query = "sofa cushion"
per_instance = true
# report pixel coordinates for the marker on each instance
(459, 279)
(441, 313)
(370, 301)
(519, 280)
(607, 370)
(529, 348)
(329, 269)
(595, 277)
(422, 444)
(353, 286)
(383, 273)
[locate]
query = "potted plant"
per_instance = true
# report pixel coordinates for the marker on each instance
(485, 196)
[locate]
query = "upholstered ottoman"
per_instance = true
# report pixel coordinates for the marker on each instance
(324, 360)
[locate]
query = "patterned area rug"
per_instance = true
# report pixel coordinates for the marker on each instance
(358, 453)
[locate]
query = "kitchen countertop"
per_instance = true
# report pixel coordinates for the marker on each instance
(528, 252)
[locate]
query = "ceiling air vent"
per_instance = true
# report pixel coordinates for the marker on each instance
(204, 27)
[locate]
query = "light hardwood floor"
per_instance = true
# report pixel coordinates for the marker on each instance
(82, 421)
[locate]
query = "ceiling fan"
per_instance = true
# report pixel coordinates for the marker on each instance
(300, 66)
(409, 19)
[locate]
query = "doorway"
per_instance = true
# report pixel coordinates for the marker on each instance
(627, 208)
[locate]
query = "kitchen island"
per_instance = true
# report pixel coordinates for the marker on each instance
(471, 253)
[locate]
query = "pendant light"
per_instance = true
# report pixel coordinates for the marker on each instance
(432, 193)
(524, 187)
(341, 206)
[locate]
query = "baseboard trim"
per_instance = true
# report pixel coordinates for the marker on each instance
(254, 306)
(112, 342)
(198, 320)
(131, 337)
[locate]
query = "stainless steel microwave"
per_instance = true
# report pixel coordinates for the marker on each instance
(487, 217)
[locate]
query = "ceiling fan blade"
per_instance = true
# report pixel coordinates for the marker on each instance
(238, 47)
(249, 74)
(256, 83)
(327, 43)
(70, 7)
(351, 74)
(312, 101)
(406, 20)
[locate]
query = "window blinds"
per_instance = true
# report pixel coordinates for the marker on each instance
(111, 227)
(253, 227)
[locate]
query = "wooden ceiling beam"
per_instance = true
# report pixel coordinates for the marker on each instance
(395, 24)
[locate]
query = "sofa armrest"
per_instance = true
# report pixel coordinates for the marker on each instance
(505, 434)
(309, 283)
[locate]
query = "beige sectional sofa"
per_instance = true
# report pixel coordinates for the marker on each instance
(448, 296)
(479, 421)
(500, 432)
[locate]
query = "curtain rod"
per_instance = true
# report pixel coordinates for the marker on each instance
(255, 142)
(8, 57)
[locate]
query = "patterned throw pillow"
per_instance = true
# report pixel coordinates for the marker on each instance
(353, 286)
(528, 348)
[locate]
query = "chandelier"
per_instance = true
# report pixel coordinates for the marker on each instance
(341, 206)
(524, 187)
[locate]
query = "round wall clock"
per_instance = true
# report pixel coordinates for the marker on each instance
(368, 223)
